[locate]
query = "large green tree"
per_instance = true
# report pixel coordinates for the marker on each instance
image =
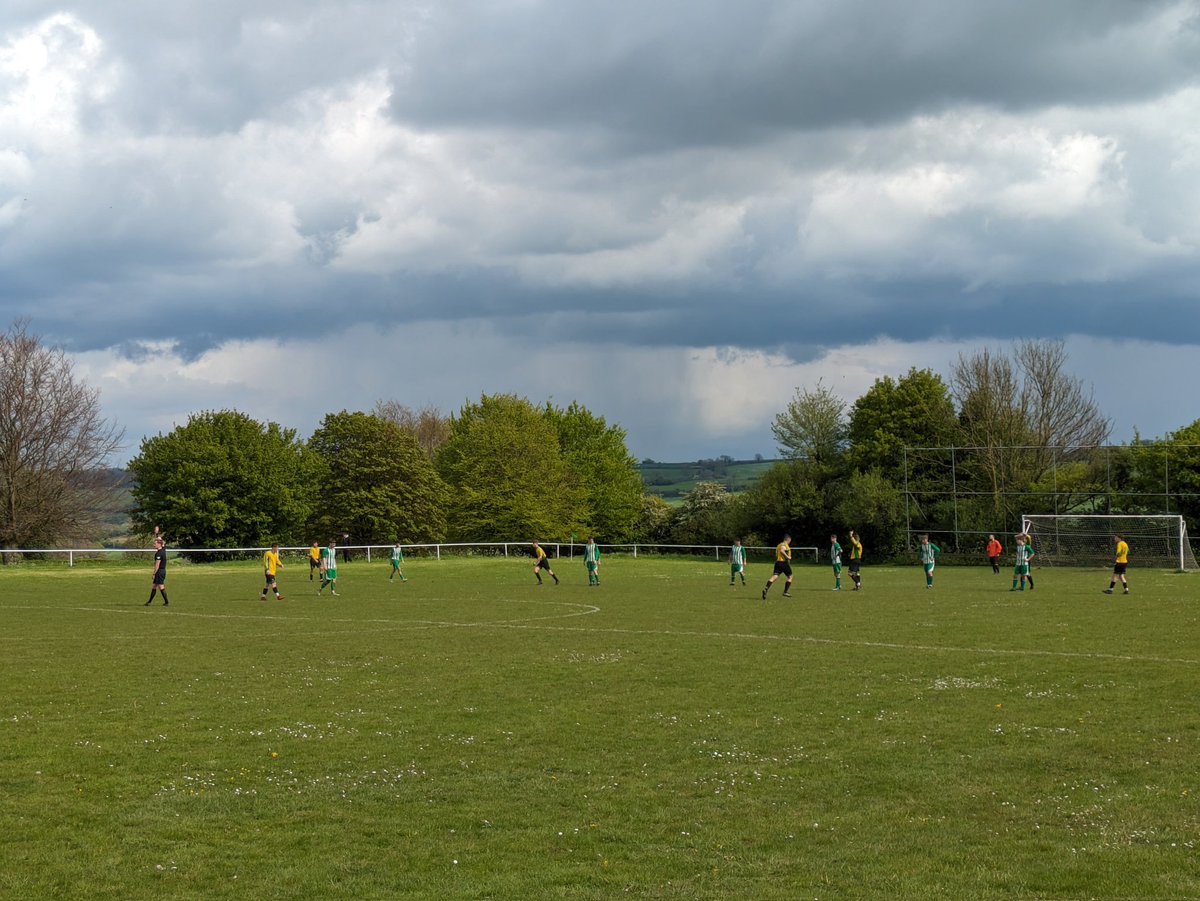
(1162, 476)
(915, 410)
(703, 517)
(813, 427)
(607, 473)
(790, 497)
(506, 473)
(224, 480)
(874, 508)
(887, 423)
(796, 495)
(377, 483)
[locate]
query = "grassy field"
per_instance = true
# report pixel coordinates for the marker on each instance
(470, 735)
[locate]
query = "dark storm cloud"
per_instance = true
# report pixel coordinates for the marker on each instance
(695, 70)
(712, 72)
(555, 165)
(799, 322)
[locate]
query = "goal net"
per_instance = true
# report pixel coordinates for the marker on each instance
(1154, 540)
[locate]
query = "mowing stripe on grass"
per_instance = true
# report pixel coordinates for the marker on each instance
(589, 609)
(845, 642)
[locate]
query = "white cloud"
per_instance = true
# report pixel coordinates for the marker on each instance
(327, 176)
(48, 74)
(689, 244)
(1067, 175)
(213, 178)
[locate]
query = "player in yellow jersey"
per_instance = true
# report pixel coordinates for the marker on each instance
(271, 564)
(1119, 566)
(542, 562)
(314, 560)
(855, 560)
(783, 567)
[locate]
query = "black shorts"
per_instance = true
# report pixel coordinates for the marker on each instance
(783, 568)
(1119, 569)
(270, 579)
(314, 564)
(543, 563)
(160, 578)
(854, 564)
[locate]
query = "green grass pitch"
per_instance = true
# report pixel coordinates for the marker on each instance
(470, 735)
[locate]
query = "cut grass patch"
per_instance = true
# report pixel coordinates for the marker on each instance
(470, 735)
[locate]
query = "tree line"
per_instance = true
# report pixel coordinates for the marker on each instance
(1006, 433)
(501, 467)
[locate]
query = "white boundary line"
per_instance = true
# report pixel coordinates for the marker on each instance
(585, 610)
(883, 645)
(531, 623)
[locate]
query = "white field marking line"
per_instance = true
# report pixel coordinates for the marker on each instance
(674, 633)
(884, 645)
(584, 610)
(226, 636)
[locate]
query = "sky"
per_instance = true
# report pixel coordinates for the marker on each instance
(674, 212)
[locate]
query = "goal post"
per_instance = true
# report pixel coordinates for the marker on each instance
(1083, 539)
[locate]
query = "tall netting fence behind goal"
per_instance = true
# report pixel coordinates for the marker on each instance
(1061, 540)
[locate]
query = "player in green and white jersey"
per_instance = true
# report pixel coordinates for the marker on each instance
(929, 554)
(737, 562)
(1021, 570)
(835, 557)
(329, 568)
(397, 560)
(591, 559)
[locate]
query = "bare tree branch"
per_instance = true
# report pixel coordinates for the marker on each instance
(54, 446)
(1016, 412)
(428, 425)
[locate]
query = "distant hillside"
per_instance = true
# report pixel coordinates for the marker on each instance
(671, 481)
